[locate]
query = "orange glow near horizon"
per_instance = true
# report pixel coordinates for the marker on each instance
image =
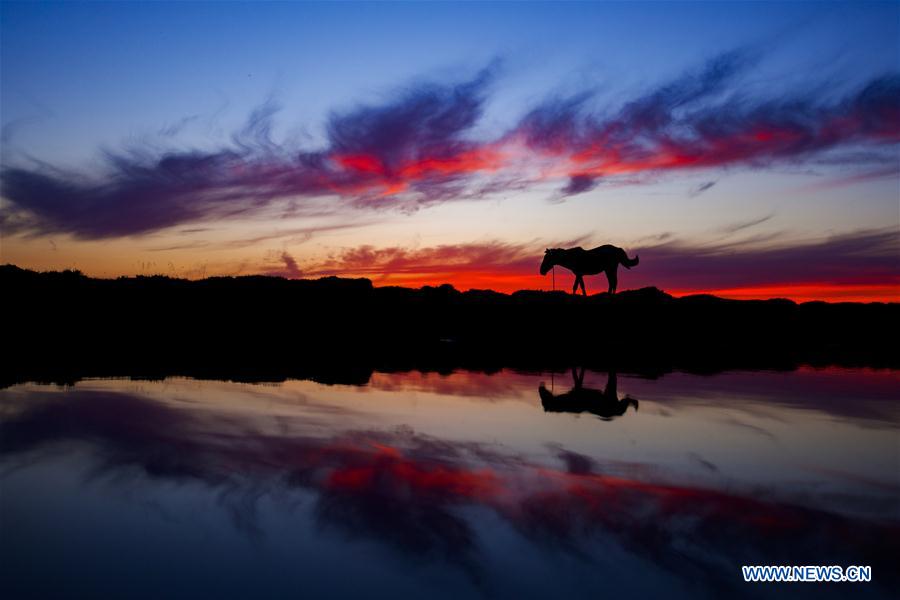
(806, 292)
(512, 282)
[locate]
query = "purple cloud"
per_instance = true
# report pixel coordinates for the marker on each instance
(705, 120)
(416, 148)
(411, 143)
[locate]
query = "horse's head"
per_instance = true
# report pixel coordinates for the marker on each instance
(547, 397)
(550, 259)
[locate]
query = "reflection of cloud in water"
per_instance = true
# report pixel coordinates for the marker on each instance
(865, 395)
(703, 462)
(734, 422)
(410, 491)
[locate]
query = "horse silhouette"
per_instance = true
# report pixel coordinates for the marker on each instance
(602, 403)
(583, 262)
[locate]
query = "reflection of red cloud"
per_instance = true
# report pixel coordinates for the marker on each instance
(404, 489)
(609, 498)
(387, 469)
(408, 494)
(375, 468)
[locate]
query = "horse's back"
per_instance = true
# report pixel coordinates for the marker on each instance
(606, 252)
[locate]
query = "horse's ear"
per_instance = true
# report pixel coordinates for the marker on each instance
(547, 251)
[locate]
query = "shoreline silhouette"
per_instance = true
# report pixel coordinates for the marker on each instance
(64, 325)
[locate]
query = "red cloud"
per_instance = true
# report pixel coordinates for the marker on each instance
(854, 267)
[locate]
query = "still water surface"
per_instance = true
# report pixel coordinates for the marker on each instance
(469, 484)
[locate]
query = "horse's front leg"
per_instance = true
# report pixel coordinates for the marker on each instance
(575, 285)
(583, 291)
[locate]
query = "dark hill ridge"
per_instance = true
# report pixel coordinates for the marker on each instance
(267, 327)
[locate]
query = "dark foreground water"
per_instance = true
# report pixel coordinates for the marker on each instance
(470, 484)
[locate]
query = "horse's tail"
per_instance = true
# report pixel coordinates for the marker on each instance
(628, 262)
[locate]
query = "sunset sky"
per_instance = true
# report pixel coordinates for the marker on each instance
(744, 149)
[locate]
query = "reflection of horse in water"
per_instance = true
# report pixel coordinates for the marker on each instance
(605, 404)
(589, 262)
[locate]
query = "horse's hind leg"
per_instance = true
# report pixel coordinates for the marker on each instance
(579, 281)
(613, 278)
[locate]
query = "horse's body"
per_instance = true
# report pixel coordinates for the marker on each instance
(604, 404)
(602, 259)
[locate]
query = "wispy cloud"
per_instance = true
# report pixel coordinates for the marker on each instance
(703, 120)
(699, 189)
(858, 258)
(290, 235)
(742, 225)
(290, 269)
(412, 144)
(417, 147)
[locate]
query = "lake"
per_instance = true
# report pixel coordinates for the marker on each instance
(506, 484)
